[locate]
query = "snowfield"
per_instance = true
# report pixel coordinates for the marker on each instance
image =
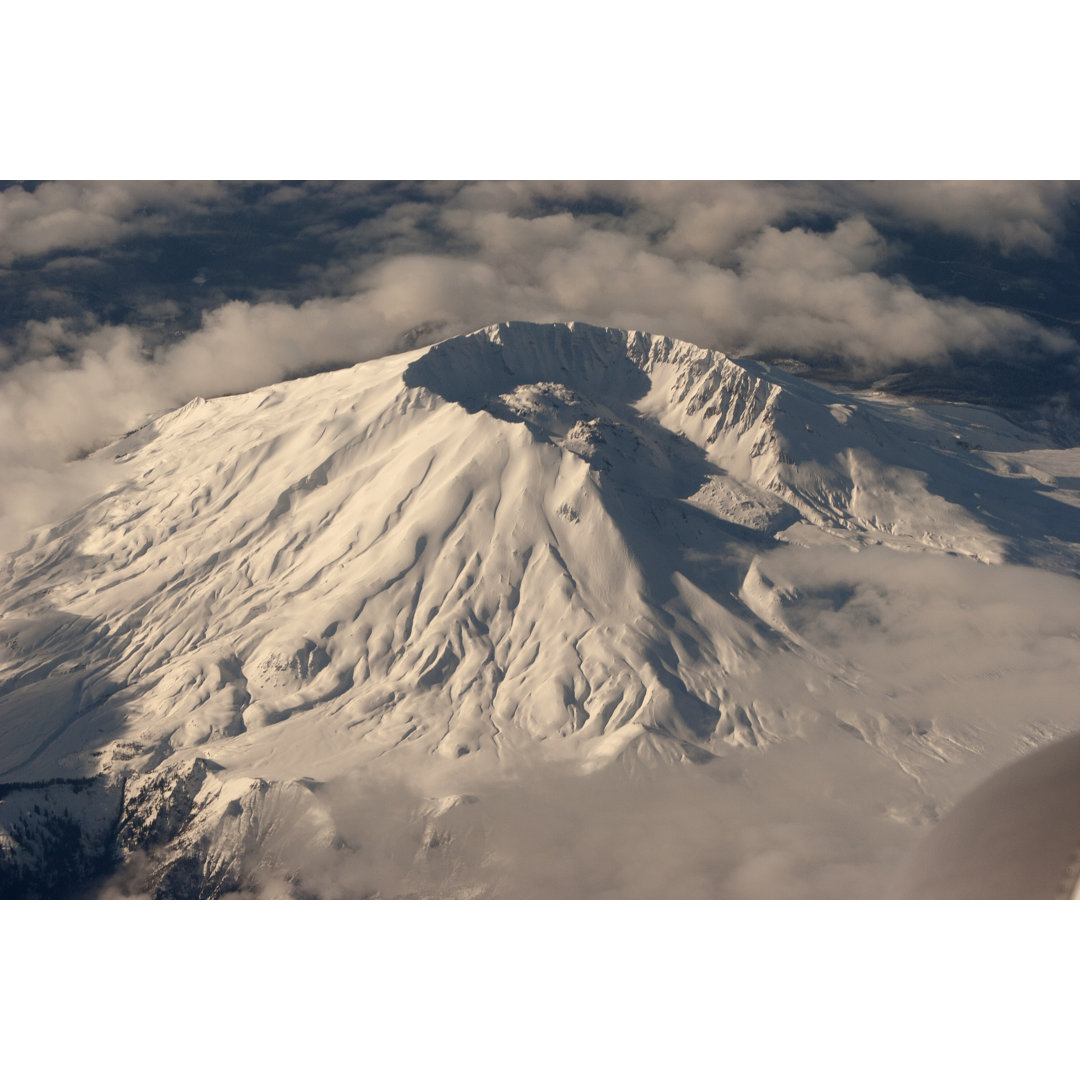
(547, 610)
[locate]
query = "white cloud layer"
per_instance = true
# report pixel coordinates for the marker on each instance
(85, 216)
(1013, 215)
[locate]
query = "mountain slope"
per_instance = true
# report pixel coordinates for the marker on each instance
(535, 543)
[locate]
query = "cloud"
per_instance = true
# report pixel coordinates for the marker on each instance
(929, 645)
(780, 291)
(84, 216)
(35, 494)
(808, 293)
(751, 826)
(709, 220)
(1015, 216)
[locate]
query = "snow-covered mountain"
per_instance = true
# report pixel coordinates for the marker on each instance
(349, 619)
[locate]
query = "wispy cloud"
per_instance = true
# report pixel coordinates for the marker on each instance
(1015, 216)
(88, 216)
